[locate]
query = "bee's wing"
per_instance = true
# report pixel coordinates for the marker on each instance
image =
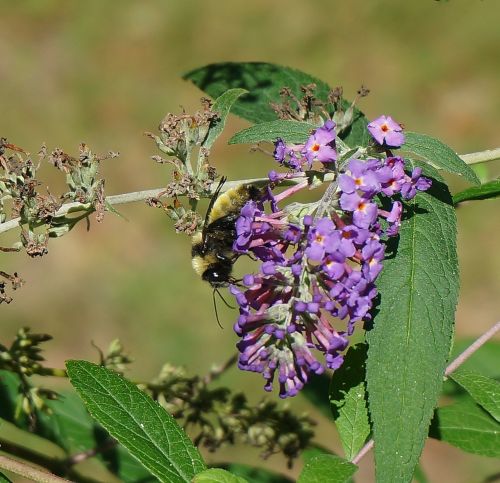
(211, 204)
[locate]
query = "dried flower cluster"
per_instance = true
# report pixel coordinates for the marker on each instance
(37, 213)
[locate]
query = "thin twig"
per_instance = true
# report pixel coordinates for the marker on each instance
(482, 156)
(28, 471)
(451, 367)
(90, 453)
(219, 370)
(132, 197)
(13, 449)
(471, 349)
(363, 451)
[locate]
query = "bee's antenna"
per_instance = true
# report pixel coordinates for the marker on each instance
(216, 291)
(215, 308)
(223, 299)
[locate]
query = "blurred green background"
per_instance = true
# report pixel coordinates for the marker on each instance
(105, 72)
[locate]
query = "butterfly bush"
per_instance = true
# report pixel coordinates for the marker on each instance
(318, 267)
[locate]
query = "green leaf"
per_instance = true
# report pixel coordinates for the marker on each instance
(329, 468)
(9, 386)
(289, 131)
(222, 106)
(485, 391)
(314, 450)
(217, 475)
(481, 192)
(348, 401)
(467, 426)
(71, 428)
(438, 155)
(252, 474)
(412, 330)
(316, 391)
(140, 424)
(4, 479)
(484, 361)
(419, 475)
(128, 470)
(264, 81)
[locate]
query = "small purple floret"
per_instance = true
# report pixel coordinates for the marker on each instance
(387, 131)
(321, 145)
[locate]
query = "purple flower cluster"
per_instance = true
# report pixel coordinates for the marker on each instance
(315, 272)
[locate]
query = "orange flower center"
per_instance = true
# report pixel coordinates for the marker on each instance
(384, 127)
(315, 147)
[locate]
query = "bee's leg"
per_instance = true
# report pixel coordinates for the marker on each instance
(249, 255)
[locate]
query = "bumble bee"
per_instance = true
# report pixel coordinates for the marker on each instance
(212, 249)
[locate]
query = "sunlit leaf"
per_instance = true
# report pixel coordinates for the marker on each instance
(329, 468)
(348, 401)
(140, 424)
(289, 131)
(438, 155)
(264, 81)
(485, 391)
(217, 475)
(222, 106)
(467, 426)
(256, 474)
(481, 192)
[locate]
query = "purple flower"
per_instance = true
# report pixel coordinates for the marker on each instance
(416, 182)
(364, 212)
(280, 150)
(372, 255)
(391, 175)
(288, 155)
(244, 227)
(387, 131)
(321, 145)
(361, 176)
(322, 240)
(394, 219)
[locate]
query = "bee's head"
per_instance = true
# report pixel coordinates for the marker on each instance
(218, 274)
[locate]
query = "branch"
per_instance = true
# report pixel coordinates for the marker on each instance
(50, 464)
(131, 198)
(471, 349)
(90, 453)
(481, 156)
(217, 371)
(451, 367)
(472, 158)
(28, 471)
